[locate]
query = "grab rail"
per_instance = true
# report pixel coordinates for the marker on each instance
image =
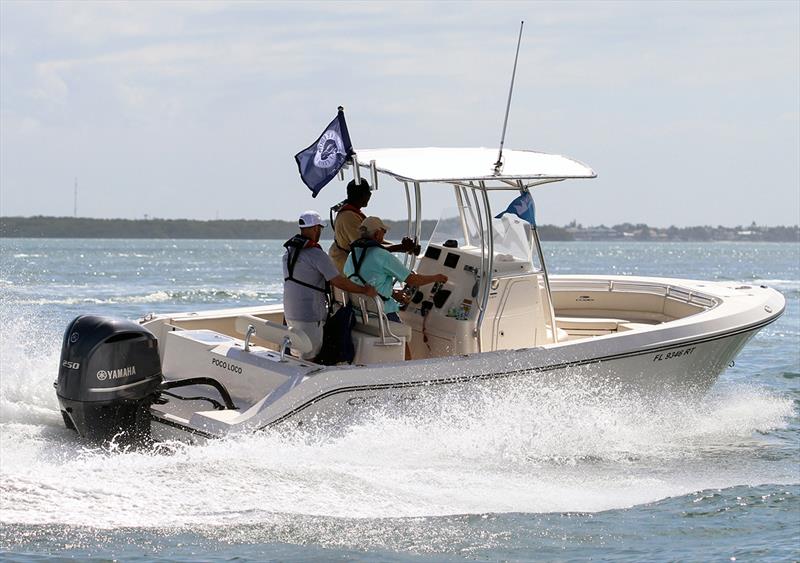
(673, 292)
(383, 320)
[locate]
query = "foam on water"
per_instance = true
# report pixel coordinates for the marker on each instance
(194, 296)
(513, 446)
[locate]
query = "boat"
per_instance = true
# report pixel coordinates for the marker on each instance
(500, 316)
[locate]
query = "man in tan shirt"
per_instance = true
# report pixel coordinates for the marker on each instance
(347, 222)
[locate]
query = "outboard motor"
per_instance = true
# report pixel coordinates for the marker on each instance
(108, 376)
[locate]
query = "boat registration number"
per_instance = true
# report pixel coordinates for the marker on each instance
(673, 354)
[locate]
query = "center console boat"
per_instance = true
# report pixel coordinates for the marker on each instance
(208, 374)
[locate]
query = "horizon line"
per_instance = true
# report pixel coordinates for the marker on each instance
(576, 223)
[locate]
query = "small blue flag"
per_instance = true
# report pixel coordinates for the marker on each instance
(320, 162)
(523, 207)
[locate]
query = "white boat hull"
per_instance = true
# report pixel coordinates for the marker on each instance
(681, 357)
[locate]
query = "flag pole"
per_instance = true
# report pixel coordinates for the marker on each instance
(499, 164)
(353, 157)
(340, 109)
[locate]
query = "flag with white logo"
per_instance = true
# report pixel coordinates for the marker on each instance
(321, 161)
(523, 207)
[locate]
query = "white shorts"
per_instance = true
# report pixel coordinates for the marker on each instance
(312, 329)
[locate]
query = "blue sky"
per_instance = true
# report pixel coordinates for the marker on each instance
(688, 111)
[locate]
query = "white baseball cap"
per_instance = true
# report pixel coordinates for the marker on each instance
(310, 218)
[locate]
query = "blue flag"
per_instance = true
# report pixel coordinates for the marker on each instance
(523, 207)
(320, 162)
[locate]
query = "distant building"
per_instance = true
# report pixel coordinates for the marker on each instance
(593, 233)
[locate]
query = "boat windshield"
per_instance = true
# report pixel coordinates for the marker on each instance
(512, 238)
(451, 227)
(511, 235)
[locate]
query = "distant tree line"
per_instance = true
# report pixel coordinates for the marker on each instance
(79, 227)
(643, 232)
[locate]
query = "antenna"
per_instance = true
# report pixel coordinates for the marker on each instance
(75, 199)
(499, 164)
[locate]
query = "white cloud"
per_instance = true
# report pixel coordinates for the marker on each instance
(50, 86)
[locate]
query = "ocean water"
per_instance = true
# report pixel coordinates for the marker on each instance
(516, 472)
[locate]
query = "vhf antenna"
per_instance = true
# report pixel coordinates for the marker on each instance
(499, 164)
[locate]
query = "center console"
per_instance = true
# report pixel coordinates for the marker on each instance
(443, 317)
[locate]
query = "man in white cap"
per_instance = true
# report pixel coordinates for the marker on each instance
(307, 274)
(370, 263)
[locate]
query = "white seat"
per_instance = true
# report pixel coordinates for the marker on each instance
(377, 340)
(372, 327)
(588, 323)
(369, 321)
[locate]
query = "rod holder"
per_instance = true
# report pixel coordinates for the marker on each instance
(356, 171)
(287, 343)
(251, 330)
(373, 174)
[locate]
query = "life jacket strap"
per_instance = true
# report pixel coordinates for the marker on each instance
(364, 245)
(294, 246)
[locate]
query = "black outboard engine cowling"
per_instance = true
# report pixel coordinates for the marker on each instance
(108, 377)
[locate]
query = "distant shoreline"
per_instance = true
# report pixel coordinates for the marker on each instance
(78, 227)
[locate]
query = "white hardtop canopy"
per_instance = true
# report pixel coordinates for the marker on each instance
(471, 171)
(465, 165)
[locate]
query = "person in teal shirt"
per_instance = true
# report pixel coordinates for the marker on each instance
(380, 268)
